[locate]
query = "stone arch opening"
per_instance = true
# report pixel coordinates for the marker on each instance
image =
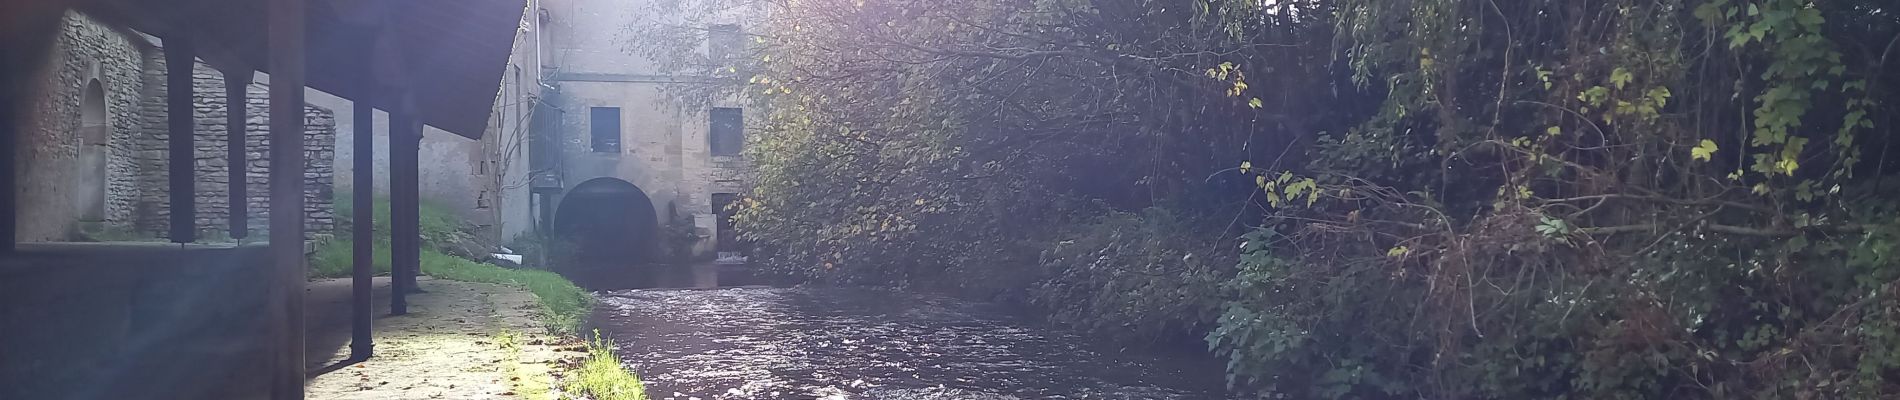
(95, 135)
(610, 222)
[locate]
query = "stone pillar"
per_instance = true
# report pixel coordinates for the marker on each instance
(179, 112)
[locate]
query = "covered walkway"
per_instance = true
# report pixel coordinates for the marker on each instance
(223, 319)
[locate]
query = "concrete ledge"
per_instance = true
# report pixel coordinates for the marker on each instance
(132, 320)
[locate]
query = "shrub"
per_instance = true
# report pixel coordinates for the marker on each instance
(1131, 276)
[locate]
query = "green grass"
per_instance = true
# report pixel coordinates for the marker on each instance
(436, 222)
(565, 305)
(601, 377)
(333, 259)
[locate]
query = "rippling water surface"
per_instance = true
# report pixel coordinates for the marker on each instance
(802, 343)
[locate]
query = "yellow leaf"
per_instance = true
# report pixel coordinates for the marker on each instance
(1397, 251)
(1703, 151)
(1255, 103)
(1246, 166)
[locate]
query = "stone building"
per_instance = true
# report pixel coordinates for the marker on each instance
(613, 121)
(94, 157)
(584, 143)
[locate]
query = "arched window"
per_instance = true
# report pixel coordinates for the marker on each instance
(95, 131)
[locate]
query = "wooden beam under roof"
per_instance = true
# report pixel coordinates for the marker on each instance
(463, 44)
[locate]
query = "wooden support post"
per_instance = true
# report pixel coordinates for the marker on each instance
(411, 190)
(181, 118)
(12, 99)
(237, 85)
(16, 82)
(363, 254)
(405, 250)
(286, 39)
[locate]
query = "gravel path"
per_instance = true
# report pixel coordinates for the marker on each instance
(449, 346)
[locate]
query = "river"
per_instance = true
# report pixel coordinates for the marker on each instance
(842, 343)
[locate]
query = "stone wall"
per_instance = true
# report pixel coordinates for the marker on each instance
(451, 174)
(130, 70)
(212, 168)
(49, 161)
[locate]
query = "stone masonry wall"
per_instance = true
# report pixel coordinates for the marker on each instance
(86, 51)
(212, 168)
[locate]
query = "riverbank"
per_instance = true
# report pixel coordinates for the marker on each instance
(482, 331)
(478, 325)
(460, 340)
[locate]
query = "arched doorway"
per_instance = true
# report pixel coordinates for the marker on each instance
(95, 131)
(611, 224)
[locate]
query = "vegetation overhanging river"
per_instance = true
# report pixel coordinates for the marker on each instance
(692, 338)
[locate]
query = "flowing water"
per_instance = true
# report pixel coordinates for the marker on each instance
(836, 343)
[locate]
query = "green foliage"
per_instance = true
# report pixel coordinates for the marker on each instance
(677, 238)
(335, 255)
(1134, 277)
(440, 227)
(335, 259)
(1450, 198)
(1610, 254)
(601, 377)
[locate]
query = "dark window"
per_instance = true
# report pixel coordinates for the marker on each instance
(723, 42)
(728, 131)
(604, 122)
(728, 239)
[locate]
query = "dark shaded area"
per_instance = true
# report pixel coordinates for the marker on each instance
(328, 320)
(696, 276)
(610, 222)
(134, 321)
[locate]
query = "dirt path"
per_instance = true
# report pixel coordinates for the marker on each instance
(459, 341)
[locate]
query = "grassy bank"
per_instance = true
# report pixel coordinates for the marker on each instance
(564, 306)
(601, 377)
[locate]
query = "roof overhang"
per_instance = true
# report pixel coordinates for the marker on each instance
(447, 56)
